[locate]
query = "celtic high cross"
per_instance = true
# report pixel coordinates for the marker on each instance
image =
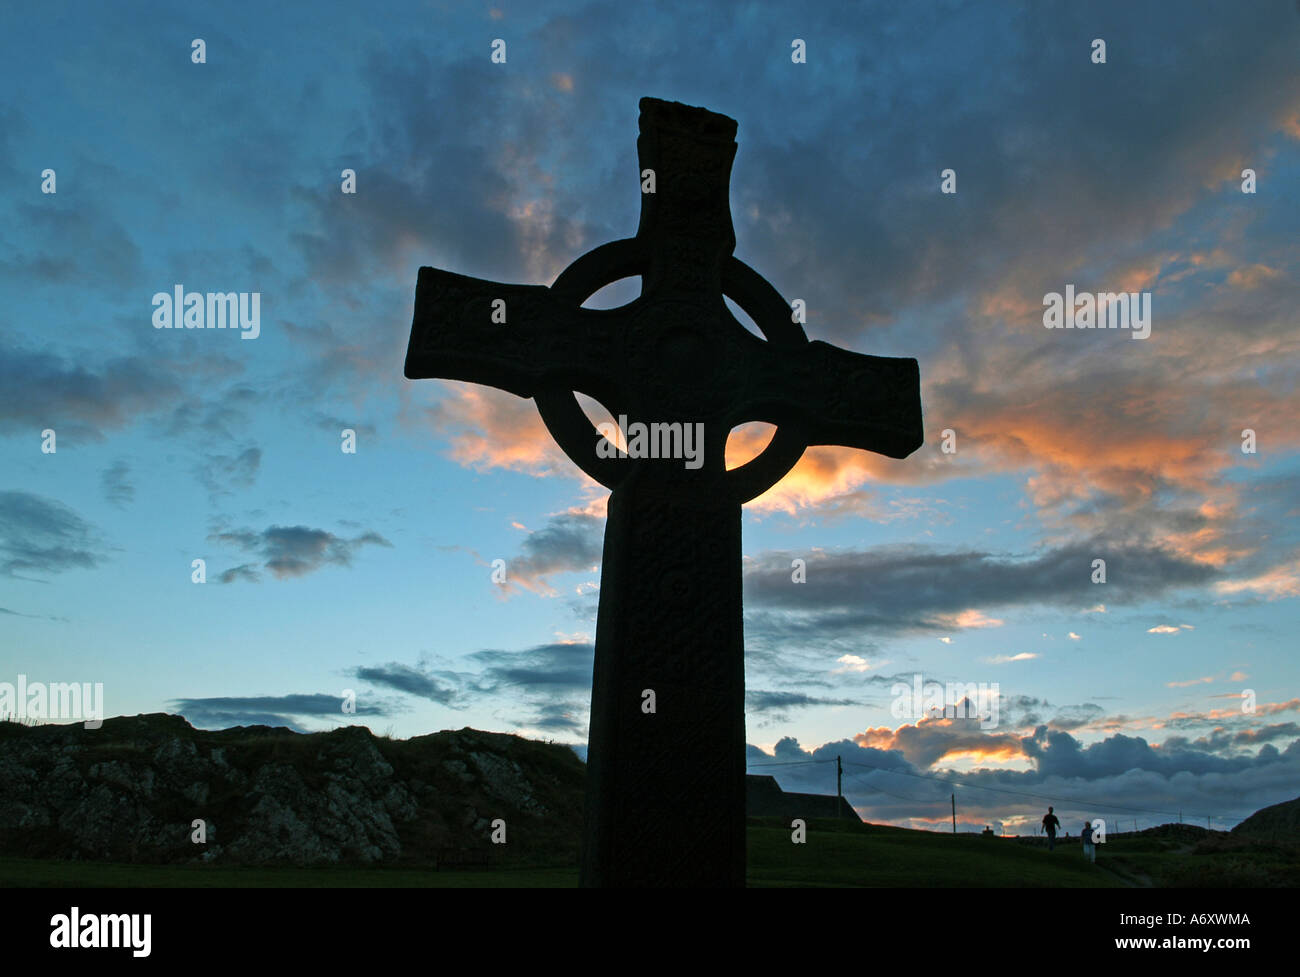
(666, 754)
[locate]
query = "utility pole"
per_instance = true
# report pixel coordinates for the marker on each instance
(954, 813)
(839, 794)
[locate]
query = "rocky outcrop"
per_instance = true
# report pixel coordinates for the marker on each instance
(134, 789)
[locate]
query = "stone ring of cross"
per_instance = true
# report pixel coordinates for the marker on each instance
(678, 347)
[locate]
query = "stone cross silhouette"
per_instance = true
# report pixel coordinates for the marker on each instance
(666, 754)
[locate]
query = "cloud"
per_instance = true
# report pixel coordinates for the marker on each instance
(765, 708)
(970, 618)
(1221, 739)
(1057, 753)
(485, 166)
(219, 417)
(553, 668)
(106, 257)
(44, 536)
(1023, 656)
(440, 687)
(549, 684)
(489, 428)
(557, 717)
(1251, 276)
(1278, 582)
(760, 700)
(223, 719)
(337, 425)
(222, 712)
(294, 551)
(570, 542)
(246, 572)
(911, 588)
(40, 390)
(34, 617)
(931, 740)
(1190, 682)
(1078, 716)
(220, 473)
(116, 488)
(1182, 720)
(901, 776)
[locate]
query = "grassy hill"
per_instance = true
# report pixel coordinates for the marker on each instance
(843, 854)
(836, 854)
(1180, 856)
(1277, 823)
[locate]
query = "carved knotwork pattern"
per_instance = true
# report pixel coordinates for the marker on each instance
(693, 177)
(683, 603)
(686, 267)
(846, 390)
(703, 385)
(538, 333)
(682, 637)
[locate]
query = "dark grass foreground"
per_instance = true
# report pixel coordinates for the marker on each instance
(837, 854)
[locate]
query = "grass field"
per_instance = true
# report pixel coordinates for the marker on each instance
(1217, 862)
(30, 872)
(837, 854)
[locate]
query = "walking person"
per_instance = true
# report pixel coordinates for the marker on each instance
(1051, 824)
(1089, 848)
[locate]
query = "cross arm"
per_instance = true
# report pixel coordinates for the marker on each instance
(837, 397)
(520, 338)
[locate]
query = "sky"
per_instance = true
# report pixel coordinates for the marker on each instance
(1171, 686)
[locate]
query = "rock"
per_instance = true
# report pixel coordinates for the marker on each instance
(130, 791)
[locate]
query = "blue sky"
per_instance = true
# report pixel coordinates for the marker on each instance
(372, 571)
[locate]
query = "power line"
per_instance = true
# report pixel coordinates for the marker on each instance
(787, 763)
(914, 800)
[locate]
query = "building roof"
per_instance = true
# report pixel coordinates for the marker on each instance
(765, 798)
